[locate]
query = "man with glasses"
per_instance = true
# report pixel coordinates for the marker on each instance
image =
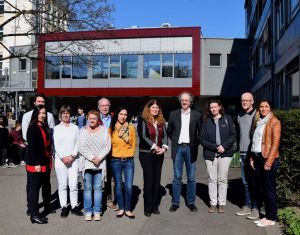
(105, 117)
(184, 131)
(244, 120)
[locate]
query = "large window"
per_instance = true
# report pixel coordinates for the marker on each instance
(167, 65)
(129, 66)
(80, 67)
(152, 66)
(183, 65)
(115, 66)
(280, 18)
(100, 66)
(215, 60)
(52, 67)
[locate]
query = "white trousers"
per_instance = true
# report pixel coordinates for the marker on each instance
(67, 176)
(217, 180)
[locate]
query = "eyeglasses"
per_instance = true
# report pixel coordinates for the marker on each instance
(246, 100)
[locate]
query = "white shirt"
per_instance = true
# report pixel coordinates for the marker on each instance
(257, 139)
(26, 120)
(66, 140)
(184, 136)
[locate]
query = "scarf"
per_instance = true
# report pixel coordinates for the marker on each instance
(123, 131)
(258, 134)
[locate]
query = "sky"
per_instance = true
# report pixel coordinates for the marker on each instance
(217, 18)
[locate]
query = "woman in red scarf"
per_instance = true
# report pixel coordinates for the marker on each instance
(38, 163)
(153, 144)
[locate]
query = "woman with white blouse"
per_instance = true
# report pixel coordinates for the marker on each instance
(94, 145)
(66, 137)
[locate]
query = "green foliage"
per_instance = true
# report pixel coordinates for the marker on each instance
(290, 218)
(289, 172)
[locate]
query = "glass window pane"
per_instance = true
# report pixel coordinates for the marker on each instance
(100, 66)
(52, 67)
(183, 65)
(129, 66)
(152, 66)
(114, 59)
(34, 63)
(115, 72)
(167, 58)
(22, 65)
(80, 67)
(215, 59)
(66, 66)
(167, 71)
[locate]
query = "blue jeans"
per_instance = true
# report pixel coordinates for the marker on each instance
(92, 181)
(243, 165)
(184, 155)
(119, 167)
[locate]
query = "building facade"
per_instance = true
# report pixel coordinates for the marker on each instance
(272, 28)
(139, 63)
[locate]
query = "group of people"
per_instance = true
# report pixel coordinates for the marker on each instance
(105, 146)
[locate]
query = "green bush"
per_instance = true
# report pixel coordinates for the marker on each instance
(290, 218)
(289, 172)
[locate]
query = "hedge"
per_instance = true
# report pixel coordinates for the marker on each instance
(288, 187)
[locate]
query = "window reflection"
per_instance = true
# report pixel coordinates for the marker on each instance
(167, 65)
(52, 67)
(183, 65)
(66, 62)
(100, 66)
(129, 66)
(80, 67)
(115, 66)
(152, 66)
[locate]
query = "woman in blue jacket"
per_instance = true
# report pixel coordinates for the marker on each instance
(218, 135)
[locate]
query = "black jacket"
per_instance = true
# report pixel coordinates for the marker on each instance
(174, 127)
(37, 153)
(208, 137)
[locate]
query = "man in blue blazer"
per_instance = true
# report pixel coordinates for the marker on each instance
(184, 131)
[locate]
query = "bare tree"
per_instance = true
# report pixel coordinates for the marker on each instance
(30, 18)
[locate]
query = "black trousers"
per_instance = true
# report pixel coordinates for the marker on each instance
(152, 165)
(109, 182)
(34, 182)
(268, 186)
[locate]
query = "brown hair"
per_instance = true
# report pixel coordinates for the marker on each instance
(93, 112)
(147, 115)
(208, 113)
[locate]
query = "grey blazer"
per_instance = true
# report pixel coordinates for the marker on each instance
(174, 127)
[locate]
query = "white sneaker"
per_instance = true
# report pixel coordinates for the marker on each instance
(245, 211)
(254, 214)
(97, 217)
(12, 165)
(88, 217)
(5, 165)
(22, 163)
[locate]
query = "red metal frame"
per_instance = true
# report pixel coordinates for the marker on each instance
(194, 32)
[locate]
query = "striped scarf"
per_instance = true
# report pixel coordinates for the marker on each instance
(123, 131)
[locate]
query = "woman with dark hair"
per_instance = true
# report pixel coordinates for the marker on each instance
(153, 144)
(218, 135)
(265, 144)
(123, 148)
(38, 162)
(66, 137)
(18, 145)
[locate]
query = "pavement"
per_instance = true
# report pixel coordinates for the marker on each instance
(13, 218)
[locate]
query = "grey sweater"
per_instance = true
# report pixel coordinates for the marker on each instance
(245, 121)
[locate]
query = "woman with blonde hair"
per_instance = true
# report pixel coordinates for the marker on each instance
(153, 144)
(94, 145)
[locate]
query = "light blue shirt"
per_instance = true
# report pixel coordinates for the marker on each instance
(106, 120)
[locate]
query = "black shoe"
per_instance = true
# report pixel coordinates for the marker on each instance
(192, 207)
(132, 216)
(174, 208)
(76, 211)
(28, 213)
(148, 214)
(64, 212)
(44, 218)
(37, 219)
(155, 211)
(50, 211)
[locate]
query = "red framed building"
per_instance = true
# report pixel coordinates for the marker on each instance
(116, 63)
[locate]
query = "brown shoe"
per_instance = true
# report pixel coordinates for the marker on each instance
(212, 209)
(221, 209)
(112, 206)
